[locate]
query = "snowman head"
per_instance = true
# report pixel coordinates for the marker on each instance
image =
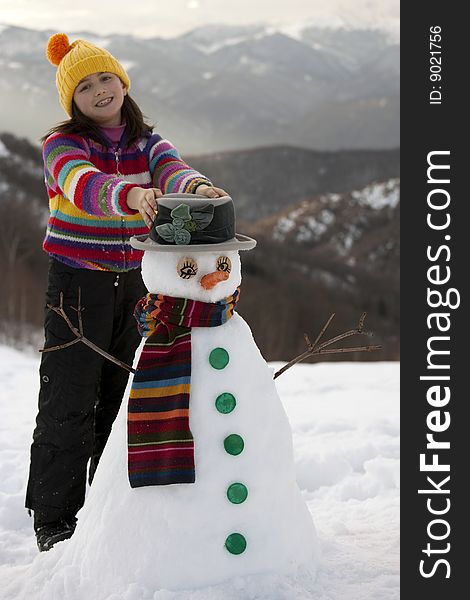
(192, 250)
(203, 276)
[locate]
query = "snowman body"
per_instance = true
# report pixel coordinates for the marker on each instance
(243, 515)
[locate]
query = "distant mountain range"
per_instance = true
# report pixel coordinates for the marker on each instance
(266, 180)
(327, 226)
(358, 228)
(224, 88)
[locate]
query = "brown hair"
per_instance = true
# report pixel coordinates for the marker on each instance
(80, 124)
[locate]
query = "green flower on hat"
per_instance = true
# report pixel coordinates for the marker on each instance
(182, 236)
(185, 221)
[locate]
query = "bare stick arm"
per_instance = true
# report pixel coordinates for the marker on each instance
(79, 337)
(317, 349)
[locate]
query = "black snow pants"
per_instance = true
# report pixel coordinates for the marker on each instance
(80, 391)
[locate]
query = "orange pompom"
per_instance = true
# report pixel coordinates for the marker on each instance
(57, 48)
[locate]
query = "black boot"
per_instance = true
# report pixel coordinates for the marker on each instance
(49, 534)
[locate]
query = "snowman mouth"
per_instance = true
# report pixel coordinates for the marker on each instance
(104, 102)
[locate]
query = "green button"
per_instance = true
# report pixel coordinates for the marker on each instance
(235, 543)
(234, 444)
(237, 493)
(219, 358)
(225, 403)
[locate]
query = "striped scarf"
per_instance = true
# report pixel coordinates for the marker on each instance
(160, 443)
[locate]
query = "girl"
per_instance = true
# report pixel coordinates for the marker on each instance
(104, 171)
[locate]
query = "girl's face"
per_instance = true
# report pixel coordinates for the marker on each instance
(100, 96)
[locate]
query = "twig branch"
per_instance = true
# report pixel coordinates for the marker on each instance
(79, 337)
(315, 350)
(75, 341)
(79, 309)
(320, 335)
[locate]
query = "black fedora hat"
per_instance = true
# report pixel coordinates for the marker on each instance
(191, 221)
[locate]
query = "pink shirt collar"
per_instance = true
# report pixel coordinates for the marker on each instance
(114, 133)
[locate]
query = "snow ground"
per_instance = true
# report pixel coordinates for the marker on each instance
(345, 423)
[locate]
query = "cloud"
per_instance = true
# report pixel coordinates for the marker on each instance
(164, 19)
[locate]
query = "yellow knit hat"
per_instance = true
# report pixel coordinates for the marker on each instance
(77, 60)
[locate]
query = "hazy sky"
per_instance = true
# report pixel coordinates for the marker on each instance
(158, 18)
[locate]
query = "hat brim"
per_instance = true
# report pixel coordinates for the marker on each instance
(239, 242)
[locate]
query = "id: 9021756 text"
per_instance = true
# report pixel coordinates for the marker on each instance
(435, 64)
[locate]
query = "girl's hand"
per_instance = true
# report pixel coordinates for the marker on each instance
(145, 201)
(210, 191)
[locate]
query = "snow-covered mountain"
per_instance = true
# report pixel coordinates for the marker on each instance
(358, 226)
(229, 87)
(334, 252)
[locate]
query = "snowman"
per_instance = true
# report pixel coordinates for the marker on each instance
(196, 485)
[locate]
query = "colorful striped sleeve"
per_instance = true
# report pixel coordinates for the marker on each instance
(169, 172)
(69, 171)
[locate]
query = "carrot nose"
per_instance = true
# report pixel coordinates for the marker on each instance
(212, 279)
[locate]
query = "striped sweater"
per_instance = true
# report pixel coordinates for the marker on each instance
(90, 223)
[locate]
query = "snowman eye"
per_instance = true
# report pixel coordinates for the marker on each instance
(186, 268)
(224, 264)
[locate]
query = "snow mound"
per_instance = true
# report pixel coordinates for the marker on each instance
(345, 423)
